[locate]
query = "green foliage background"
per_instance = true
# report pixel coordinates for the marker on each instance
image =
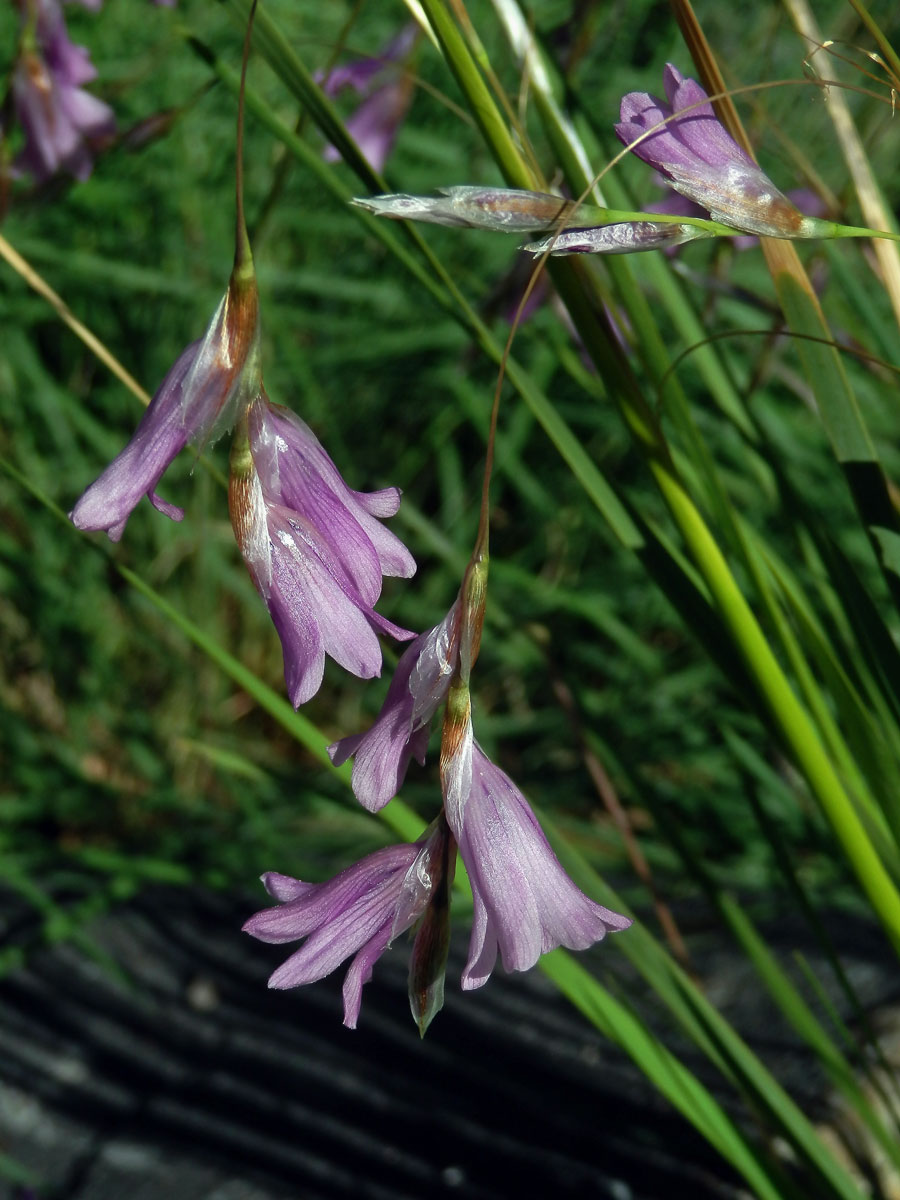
(131, 757)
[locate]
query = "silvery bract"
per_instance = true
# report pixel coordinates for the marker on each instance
(628, 237)
(503, 210)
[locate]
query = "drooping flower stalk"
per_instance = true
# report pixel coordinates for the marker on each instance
(525, 904)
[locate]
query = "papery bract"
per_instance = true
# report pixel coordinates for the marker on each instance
(420, 684)
(525, 903)
(428, 961)
(359, 913)
(686, 143)
(315, 548)
(682, 207)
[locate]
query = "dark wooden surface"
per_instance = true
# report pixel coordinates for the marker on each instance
(191, 1081)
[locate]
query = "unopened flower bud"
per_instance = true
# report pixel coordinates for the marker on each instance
(629, 237)
(428, 961)
(505, 210)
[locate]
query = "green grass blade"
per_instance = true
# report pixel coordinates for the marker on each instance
(682, 1089)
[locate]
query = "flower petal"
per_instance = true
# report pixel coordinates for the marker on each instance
(420, 683)
(354, 914)
(135, 472)
(383, 753)
(307, 906)
(360, 972)
(530, 904)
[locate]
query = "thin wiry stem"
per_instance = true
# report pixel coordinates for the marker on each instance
(242, 253)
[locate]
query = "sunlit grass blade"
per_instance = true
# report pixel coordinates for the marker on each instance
(683, 1090)
(874, 209)
(874, 749)
(822, 364)
(710, 1031)
(789, 1000)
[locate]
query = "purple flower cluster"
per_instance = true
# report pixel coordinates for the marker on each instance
(63, 124)
(316, 549)
(317, 552)
(525, 904)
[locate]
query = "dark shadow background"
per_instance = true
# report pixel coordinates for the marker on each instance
(193, 1081)
(188, 1080)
